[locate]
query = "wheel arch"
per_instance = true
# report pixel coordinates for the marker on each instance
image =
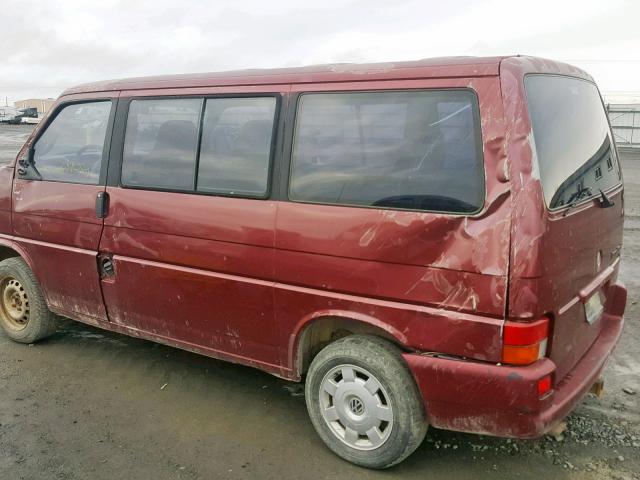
(321, 328)
(10, 249)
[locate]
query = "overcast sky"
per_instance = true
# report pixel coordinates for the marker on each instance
(48, 46)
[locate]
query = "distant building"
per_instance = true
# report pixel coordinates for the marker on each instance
(625, 123)
(41, 104)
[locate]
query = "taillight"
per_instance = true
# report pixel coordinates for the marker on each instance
(524, 342)
(544, 385)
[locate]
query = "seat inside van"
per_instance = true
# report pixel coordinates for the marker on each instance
(235, 163)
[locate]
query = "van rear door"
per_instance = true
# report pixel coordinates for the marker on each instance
(582, 188)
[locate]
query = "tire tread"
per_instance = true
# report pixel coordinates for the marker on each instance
(382, 356)
(42, 322)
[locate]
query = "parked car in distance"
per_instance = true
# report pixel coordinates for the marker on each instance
(425, 243)
(14, 116)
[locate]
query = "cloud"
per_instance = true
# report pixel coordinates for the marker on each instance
(48, 46)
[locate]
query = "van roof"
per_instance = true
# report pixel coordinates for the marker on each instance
(441, 67)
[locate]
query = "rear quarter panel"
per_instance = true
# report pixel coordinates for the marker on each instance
(443, 276)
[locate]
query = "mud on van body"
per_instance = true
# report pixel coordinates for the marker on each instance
(425, 243)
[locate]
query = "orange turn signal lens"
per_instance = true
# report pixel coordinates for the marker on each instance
(520, 355)
(524, 342)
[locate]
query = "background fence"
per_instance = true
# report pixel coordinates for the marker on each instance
(625, 122)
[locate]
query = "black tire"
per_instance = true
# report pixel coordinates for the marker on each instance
(24, 315)
(382, 360)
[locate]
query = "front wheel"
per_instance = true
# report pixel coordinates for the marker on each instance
(24, 315)
(364, 403)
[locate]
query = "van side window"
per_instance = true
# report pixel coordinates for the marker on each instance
(160, 143)
(71, 147)
(418, 150)
(236, 146)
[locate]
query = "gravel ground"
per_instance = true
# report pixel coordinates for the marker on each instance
(93, 404)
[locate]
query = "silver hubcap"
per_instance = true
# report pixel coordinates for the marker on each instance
(356, 407)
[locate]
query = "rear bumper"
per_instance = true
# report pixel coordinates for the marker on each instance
(503, 400)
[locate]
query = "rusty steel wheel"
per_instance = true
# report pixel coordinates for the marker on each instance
(24, 315)
(14, 306)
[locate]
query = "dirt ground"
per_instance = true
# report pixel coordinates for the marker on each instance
(89, 404)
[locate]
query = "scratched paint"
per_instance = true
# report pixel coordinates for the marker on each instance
(242, 279)
(552, 256)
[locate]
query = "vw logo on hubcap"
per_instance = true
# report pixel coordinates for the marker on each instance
(356, 406)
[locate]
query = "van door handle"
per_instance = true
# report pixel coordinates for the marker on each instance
(102, 204)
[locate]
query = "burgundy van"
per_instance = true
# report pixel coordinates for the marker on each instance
(426, 243)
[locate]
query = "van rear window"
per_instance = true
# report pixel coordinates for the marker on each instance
(418, 150)
(573, 143)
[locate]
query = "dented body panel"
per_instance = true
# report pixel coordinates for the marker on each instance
(503, 400)
(256, 281)
(438, 262)
(558, 258)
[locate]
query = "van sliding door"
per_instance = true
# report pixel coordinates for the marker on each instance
(190, 231)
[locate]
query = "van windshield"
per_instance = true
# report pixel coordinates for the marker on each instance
(573, 143)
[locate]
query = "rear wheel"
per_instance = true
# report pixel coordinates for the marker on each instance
(364, 403)
(24, 315)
